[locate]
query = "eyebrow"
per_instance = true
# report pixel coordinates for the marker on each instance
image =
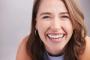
(64, 13)
(48, 13)
(45, 13)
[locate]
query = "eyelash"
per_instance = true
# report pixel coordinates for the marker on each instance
(64, 16)
(44, 17)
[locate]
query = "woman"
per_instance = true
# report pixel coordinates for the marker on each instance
(57, 33)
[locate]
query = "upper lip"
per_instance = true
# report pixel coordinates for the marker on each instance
(55, 33)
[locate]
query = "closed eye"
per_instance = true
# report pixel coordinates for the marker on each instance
(65, 17)
(45, 17)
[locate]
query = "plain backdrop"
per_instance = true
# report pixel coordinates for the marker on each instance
(15, 20)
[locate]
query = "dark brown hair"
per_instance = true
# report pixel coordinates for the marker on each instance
(76, 45)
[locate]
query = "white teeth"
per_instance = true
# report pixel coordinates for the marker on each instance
(55, 36)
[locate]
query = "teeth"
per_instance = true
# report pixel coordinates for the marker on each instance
(55, 36)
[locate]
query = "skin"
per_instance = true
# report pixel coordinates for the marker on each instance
(53, 20)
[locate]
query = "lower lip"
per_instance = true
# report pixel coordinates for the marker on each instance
(55, 40)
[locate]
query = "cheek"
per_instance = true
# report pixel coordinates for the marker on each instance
(42, 27)
(68, 27)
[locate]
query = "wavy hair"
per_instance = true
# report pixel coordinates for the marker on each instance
(74, 48)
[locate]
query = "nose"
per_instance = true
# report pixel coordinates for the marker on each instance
(56, 24)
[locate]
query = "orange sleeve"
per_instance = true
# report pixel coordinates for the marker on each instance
(86, 54)
(21, 51)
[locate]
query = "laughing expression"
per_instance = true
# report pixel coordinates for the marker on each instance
(54, 25)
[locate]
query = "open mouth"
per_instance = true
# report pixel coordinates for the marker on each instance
(56, 37)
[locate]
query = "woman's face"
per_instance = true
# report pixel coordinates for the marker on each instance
(54, 25)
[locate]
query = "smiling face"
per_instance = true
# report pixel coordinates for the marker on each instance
(54, 25)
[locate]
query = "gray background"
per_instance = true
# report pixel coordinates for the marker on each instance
(15, 20)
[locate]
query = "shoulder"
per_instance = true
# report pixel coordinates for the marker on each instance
(86, 54)
(21, 51)
(87, 44)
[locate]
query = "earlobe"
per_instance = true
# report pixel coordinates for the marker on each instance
(35, 28)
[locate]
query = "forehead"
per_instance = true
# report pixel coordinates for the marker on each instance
(52, 6)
